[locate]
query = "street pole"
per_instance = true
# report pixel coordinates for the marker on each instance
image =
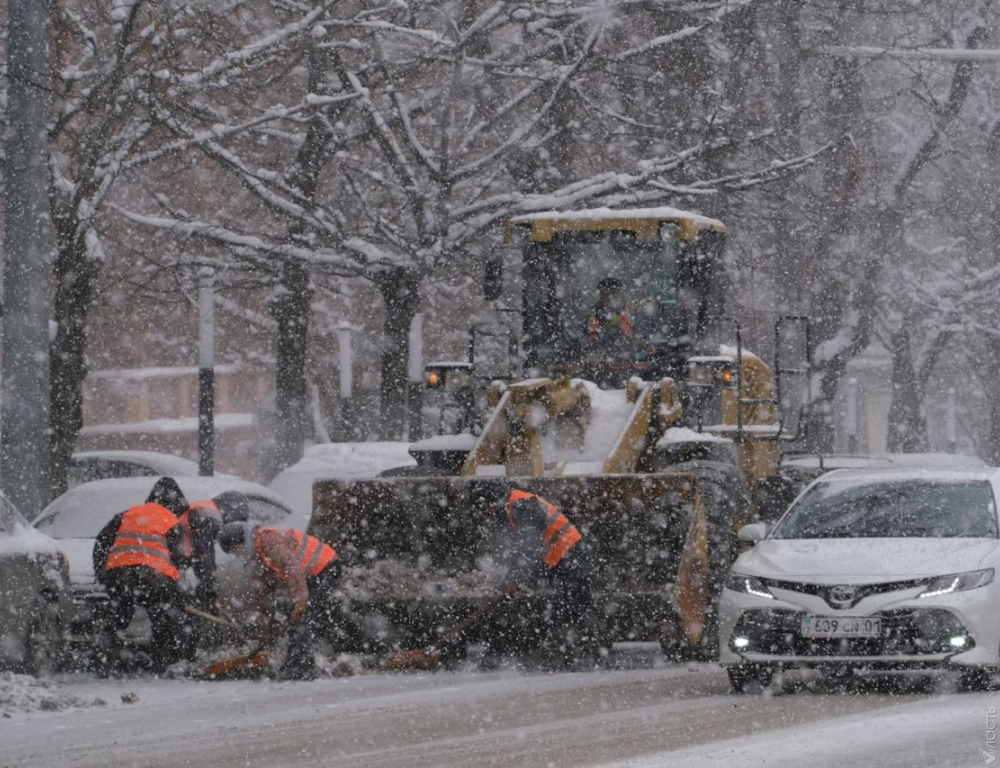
(24, 389)
(851, 420)
(206, 371)
(346, 377)
(951, 420)
(415, 378)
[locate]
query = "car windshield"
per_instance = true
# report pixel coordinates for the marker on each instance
(563, 292)
(10, 518)
(900, 508)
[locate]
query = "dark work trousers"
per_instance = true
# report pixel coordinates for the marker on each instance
(552, 620)
(173, 635)
(319, 618)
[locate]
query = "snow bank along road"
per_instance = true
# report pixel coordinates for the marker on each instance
(676, 715)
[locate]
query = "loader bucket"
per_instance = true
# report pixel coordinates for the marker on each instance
(414, 550)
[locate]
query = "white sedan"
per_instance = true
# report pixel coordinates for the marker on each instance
(870, 569)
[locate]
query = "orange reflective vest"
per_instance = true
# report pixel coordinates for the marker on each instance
(141, 539)
(185, 520)
(312, 554)
(560, 534)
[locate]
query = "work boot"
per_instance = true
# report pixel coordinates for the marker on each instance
(299, 661)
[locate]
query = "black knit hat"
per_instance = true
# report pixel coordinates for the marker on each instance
(168, 494)
(487, 493)
(232, 536)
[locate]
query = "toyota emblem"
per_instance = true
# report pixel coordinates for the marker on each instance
(843, 596)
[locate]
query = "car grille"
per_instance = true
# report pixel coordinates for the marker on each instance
(907, 632)
(861, 591)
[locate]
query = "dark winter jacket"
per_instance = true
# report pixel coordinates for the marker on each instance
(204, 532)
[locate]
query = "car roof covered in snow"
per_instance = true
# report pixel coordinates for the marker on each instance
(164, 463)
(832, 461)
(895, 474)
(82, 511)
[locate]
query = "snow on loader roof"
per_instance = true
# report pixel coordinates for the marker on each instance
(645, 222)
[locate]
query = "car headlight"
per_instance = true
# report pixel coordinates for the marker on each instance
(748, 585)
(958, 582)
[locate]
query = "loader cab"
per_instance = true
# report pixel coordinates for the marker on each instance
(612, 294)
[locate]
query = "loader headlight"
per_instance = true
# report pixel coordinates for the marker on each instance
(748, 585)
(958, 582)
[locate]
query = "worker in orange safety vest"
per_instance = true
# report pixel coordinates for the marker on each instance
(137, 557)
(546, 555)
(305, 569)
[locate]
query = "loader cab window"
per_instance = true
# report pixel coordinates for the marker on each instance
(662, 285)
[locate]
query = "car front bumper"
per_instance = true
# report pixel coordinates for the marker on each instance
(954, 630)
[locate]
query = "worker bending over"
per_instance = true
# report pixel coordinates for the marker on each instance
(284, 560)
(546, 556)
(137, 557)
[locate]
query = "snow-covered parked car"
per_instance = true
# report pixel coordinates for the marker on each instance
(870, 569)
(87, 466)
(75, 518)
(339, 461)
(34, 583)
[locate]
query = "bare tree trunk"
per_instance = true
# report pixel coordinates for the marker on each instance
(291, 306)
(991, 431)
(832, 294)
(400, 292)
(907, 426)
(906, 419)
(75, 274)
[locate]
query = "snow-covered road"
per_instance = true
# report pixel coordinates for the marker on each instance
(673, 715)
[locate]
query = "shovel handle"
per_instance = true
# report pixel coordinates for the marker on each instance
(192, 611)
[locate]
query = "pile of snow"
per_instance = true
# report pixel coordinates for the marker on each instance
(685, 435)
(24, 693)
(463, 442)
(609, 413)
(387, 579)
(336, 461)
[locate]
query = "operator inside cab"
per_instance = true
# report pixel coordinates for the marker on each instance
(609, 325)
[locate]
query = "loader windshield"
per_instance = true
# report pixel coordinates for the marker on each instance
(574, 316)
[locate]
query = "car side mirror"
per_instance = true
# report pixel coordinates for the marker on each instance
(493, 279)
(752, 533)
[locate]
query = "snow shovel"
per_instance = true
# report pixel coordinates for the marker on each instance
(422, 659)
(243, 666)
(220, 620)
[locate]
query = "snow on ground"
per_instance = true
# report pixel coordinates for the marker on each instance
(24, 693)
(942, 731)
(649, 714)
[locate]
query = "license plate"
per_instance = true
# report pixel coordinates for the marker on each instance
(841, 626)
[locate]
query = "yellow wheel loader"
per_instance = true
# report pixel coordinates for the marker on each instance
(620, 403)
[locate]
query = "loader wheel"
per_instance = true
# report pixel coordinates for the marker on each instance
(749, 678)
